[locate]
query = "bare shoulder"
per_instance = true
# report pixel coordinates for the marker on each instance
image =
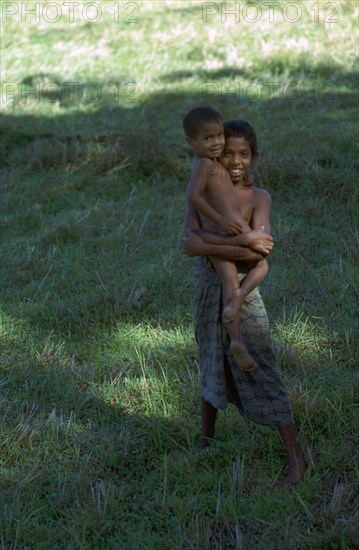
(261, 196)
(203, 161)
(203, 164)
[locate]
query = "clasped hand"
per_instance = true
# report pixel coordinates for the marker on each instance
(260, 242)
(232, 226)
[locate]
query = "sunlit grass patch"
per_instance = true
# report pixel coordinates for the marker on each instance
(307, 340)
(145, 368)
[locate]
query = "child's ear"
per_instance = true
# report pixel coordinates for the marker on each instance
(189, 140)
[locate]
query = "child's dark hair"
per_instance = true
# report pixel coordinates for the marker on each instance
(241, 128)
(196, 117)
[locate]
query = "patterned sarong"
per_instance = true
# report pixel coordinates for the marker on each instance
(260, 395)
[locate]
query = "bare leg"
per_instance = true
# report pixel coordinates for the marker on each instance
(231, 314)
(254, 277)
(238, 348)
(209, 414)
(228, 273)
(232, 308)
(296, 464)
(233, 298)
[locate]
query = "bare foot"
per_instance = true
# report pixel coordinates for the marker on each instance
(295, 474)
(242, 357)
(231, 310)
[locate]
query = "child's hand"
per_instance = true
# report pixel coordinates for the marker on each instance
(232, 226)
(260, 242)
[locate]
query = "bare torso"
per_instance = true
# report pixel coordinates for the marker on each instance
(219, 192)
(247, 201)
(249, 197)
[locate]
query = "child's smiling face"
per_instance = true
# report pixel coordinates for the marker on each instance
(209, 142)
(237, 157)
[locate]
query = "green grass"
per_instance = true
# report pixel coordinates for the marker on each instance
(99, 384)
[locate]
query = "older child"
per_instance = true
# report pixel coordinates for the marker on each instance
(212, 194)
(260, 396)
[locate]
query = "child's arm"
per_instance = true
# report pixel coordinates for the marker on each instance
(262, 210)
(203, 169)
(193, 245)
(255, 239)
(260, 219)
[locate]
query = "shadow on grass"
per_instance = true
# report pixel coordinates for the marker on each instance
(322, 73)
(92, 199)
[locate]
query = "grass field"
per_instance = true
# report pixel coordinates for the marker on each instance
(99, 383)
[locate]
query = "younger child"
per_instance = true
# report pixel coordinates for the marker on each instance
(211, 193)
